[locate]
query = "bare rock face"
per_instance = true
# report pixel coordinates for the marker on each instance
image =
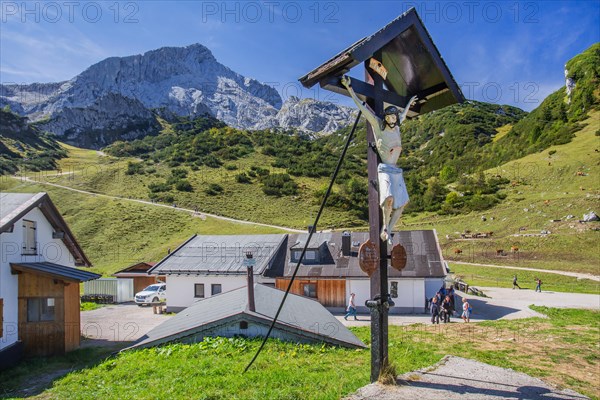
(313, 116)
(187, 81)
(569, 86)
(109, 118)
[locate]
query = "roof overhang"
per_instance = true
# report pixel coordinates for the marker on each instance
(54, 271)
(42, 200)
(137, 269)
(410, 59)
(250, 317)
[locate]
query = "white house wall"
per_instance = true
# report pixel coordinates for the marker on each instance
(432, 285)
(11, 244)
(180, 288)
(411, 294)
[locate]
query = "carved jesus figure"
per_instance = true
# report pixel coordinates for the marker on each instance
(393, 195)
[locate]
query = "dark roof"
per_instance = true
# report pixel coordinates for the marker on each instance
(413, 62)
(14, 206)
(55, 271)
(424, 256)
(140, 268)
(221, 254)
(298, 318)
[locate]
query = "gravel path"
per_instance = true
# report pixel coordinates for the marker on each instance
(455, 378)
(578, 275)
(118, 324)
(502, 303)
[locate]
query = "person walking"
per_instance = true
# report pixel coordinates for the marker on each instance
(538, 287)
(435, 311)
(515, 284)
(446, 309)
(452, 301)
(466, 314)
(351, 309)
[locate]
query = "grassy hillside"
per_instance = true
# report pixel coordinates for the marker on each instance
(560, 182)
(273, 177)
(25, 147)
(565, 354)
(118, 233)
(480, 276)
(557, 118)
(542, 187)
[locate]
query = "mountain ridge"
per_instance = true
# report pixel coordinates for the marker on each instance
(187, 81)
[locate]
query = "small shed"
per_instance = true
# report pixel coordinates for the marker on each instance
(48, 306)
(139, 273)
(230, 314)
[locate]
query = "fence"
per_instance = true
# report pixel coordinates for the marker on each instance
(120, 289)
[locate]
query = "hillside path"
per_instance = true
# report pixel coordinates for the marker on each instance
(27, 179)
(578, 275)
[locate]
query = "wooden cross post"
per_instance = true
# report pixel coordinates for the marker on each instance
(379, 279)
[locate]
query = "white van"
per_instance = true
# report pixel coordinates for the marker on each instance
(153, 294)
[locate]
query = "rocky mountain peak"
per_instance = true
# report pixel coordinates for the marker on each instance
(186, 81)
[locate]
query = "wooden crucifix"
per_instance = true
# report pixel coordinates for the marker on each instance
(404, 70)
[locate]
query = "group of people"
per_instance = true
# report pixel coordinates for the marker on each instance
(442, 306)
(538, 284)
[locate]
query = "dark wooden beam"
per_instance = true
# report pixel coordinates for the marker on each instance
(379, 280)
(364, 91)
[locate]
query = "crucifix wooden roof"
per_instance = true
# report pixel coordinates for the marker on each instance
(412, 65)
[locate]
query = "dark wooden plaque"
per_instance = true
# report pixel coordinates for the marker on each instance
(368, 257)
(398, 257)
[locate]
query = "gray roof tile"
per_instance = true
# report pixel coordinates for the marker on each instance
(306, 316)
(221, 254)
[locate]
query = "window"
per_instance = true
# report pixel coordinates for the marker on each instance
(29, 245)
(215, 288)
(311, 255)
(394, 289)
(1, 317)
(244, 325)
(310, 290)
(40, 309)
(199, 290)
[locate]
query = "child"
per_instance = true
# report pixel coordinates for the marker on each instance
(435, 311)
(466, 314)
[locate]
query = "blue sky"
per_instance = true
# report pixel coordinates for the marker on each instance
(499, 51)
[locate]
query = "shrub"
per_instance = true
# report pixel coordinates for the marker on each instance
(157, 187)
(211, 161)
(179, 173)
(134, 168)
(243, 178)
(279, 185)
(184, 186)
(214, 189)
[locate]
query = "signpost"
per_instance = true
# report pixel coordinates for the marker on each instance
(400, 62)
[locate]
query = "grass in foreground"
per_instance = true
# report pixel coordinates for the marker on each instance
(562, 350)
(477, 276)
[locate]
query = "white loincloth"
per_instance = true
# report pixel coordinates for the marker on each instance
(391, 183)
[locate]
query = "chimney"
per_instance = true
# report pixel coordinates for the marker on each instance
(346, 243)
(249, 262)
